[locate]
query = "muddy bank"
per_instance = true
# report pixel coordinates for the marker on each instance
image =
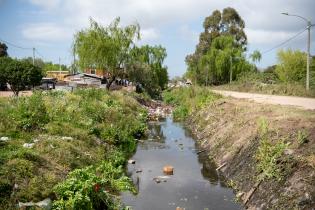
(229, 131)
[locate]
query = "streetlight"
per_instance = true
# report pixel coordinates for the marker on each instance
(309, 25)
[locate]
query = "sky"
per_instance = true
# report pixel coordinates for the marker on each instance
(50, 25)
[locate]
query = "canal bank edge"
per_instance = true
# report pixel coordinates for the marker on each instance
(267, 152)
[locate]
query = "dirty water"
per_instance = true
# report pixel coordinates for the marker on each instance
(195, 183)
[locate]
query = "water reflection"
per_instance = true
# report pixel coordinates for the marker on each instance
(195, 183)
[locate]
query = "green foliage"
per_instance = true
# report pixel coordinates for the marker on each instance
(145, 66)
(29, 113)
(92, 188)
(102, 126)
(269, 154)
(292, 66)
(3, 50)
(188, 99)
(20, 74)
(302, 137)
(45, 66)
(105, 47)
(208, 66)
(215, 66)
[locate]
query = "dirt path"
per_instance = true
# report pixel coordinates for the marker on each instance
(305, 103)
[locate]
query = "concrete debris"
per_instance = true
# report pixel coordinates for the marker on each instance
(44, 204)
(28, 145)
(138, 170)
(157, 180)
(67, 138)
(4, 138)
(131, 161)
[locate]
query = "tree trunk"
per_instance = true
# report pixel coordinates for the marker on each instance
(110, 82)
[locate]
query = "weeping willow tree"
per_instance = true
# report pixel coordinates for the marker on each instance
(106, 47)
(222, 62)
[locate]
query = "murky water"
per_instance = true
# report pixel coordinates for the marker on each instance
(195, 183)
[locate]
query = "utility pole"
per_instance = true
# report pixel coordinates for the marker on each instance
(33, 55)
(73, 66)
(231, 73)
(309, 25)
(59, 68)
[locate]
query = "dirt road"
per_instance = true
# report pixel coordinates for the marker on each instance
(305, 103)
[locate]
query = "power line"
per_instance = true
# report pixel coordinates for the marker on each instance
(14, 45)
(40, 55)
(283, 43)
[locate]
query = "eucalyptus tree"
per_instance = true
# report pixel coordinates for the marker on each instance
(225, 23)
(107, 47)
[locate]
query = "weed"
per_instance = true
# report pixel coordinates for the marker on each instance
(302, 137)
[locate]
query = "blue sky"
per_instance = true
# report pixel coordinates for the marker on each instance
(49, 25)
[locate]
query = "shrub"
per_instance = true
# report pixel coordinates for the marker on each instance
(188, 99)
(29, 113)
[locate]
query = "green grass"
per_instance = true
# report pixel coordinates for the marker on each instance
(102, 126)
(267, 83)
(271, 164)
(187, 100)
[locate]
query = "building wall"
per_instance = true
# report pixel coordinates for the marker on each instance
(97, 72)
(59, 75)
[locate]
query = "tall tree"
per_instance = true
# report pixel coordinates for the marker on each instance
(225, 23)
(106, 47)
(3, 50)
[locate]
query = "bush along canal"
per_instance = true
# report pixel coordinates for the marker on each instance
(194, 183)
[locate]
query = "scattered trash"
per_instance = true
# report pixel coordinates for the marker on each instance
(179, 208)
(168, 170)
(35, 140)
(28, 145)
(221, 166)
(184, 199)
(201, 151)
(138, 170)
(44, 204)
(131, 161)
(67, 138)
(157, 180)
(4, 138)
(239, 195)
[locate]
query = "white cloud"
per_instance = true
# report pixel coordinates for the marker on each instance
(268, 37)
(149, 34)
(46, 32)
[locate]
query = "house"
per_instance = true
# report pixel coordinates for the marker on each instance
(98, 72)
(59, 75)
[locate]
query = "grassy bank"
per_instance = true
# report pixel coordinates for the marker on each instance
(266, 83)
(186, 101)
(268, 148)
(70, 147)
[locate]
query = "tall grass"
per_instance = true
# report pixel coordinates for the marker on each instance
(188, 99)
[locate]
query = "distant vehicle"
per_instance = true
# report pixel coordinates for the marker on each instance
(48, 83)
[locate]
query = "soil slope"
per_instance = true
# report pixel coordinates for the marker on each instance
(229, 130)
